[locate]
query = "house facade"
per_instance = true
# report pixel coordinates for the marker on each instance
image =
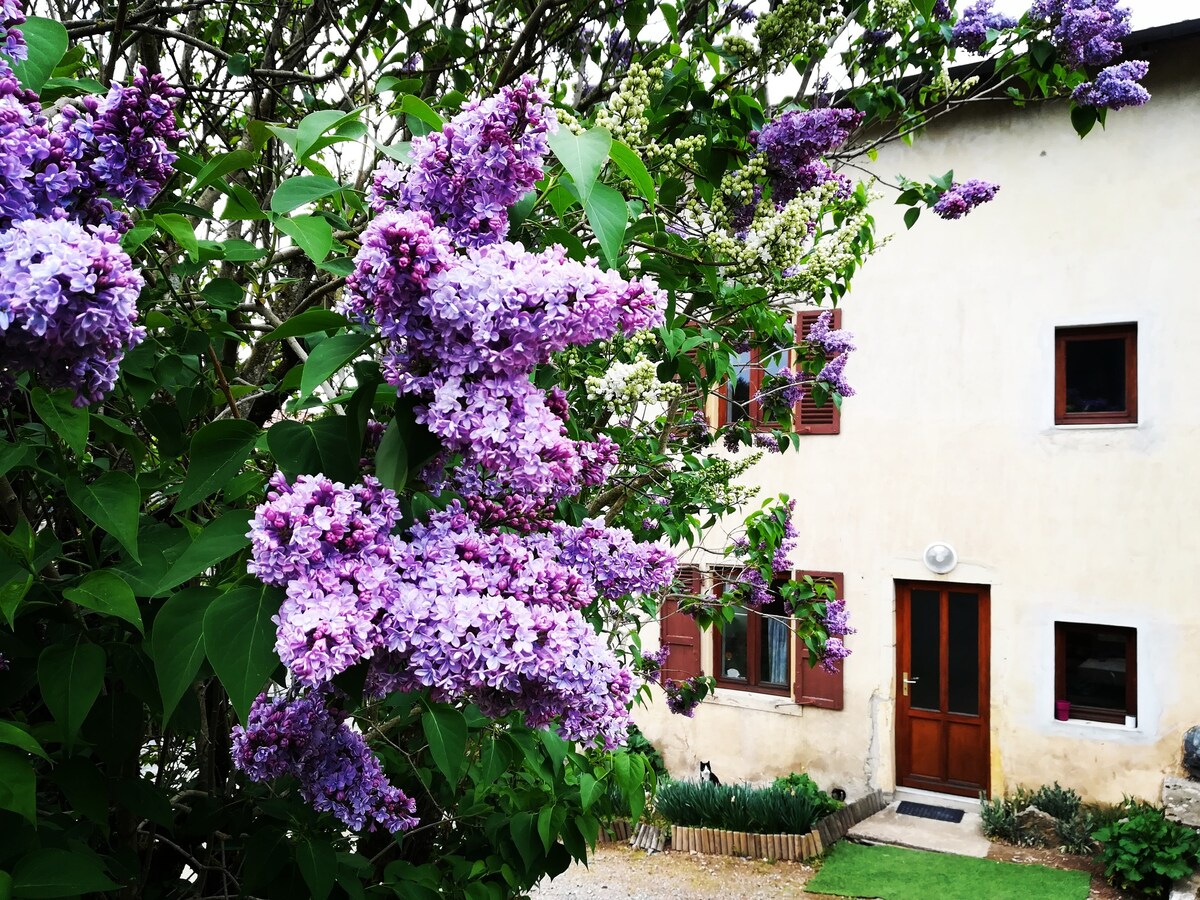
(1027, 411)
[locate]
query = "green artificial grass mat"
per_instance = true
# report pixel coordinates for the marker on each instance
(893, 873)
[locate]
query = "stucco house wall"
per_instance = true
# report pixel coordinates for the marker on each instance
(951, 437)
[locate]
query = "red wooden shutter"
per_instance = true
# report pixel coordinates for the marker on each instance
(808, 417)
(814, 685)
(679, 632)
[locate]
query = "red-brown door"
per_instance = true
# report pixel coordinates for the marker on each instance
(942, 664)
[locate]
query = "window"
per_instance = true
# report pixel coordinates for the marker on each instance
(1095, 374)
(738, 403)
(754, 651)
(1095, 671)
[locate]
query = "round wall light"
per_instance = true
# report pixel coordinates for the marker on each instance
(940, 558)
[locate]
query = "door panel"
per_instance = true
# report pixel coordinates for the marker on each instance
(942, 663)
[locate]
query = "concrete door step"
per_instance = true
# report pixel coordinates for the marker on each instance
(888, 827)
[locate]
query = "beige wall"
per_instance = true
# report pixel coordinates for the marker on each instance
(952, 438)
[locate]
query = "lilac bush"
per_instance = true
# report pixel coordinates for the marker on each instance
(1086, 32)
(970, 32)
(793, 144)
(12, 15)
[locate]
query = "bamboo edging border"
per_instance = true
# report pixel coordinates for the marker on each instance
(793, 847)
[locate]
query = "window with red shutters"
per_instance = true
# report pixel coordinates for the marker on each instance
(816, 685)
(679, 632)
(809, 418)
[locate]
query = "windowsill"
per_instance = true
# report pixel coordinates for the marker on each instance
(1097, 426)
(752, 700)
(1105, 726)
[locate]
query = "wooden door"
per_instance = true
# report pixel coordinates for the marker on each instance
(942, 692)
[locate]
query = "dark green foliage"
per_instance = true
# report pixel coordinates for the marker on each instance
(740, 807)
(1060, 802)
(999, 816)
(1144, 852)
(639, 744)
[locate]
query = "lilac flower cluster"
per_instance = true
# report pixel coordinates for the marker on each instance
(467, 331)
(305, 739)
(122, 143)
(960, 199)
(482, 162)
(11, 16)
(613, 560)
(684, 696)
(1086, 32)
(831, 340)
(832, 374)
(36, 176)
(970, 32)
(793, 144)
(1115, 87)
(836, 623)
(67, 306)
(651, 663)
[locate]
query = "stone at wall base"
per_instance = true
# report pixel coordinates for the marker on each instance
(1186, 888)
(1039, 826)
(1181, 801)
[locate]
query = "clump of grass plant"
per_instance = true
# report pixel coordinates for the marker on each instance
(740, 807)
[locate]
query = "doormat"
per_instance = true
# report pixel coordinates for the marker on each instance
(926, 811)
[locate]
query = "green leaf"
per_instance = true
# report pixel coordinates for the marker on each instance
(60, 873)
(181, 229)
(494, 759)
(11, 456)
(607, 213)
(911, 216)
(62, 417)
(312, 234)
(220, 166)
(18, 785)
(106, 592)
(582, 155)
(239, 639)
(446, 730)
(415, 106)
(112, 502)
(522, 828)
(6, 886)
(315, 124)
(238, 64)
(218, 451)
(177, 643)
(15, 736)
(328, 357)
(46, 41)
(391, 459)
(15, 582)
(1083, 119)
(308, 322)
(631, 164)
(589, 790)
(220, 539)
(70, 677)
(296, 192)
(318, 865)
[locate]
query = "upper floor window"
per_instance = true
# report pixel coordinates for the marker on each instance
(1095, 374)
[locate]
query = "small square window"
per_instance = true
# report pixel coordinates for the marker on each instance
(1095, 670)
(1095, 374)
(753, 652)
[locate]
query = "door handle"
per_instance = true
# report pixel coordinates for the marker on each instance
(907, 681)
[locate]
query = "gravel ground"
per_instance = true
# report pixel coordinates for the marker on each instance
(618, 873)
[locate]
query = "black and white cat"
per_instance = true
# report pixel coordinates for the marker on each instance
(707, 774)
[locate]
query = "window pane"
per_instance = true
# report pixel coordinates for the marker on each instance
(1096, 375)
(739, 388)
(1094, 667)
(926, 644)
(773, 639)
(776, 362)
(964, 653)
(733, 646)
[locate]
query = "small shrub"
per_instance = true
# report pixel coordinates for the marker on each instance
(1060, 802)
(740, 807)
(999, 817)
(1144, 851)
(802, 783)
(639, 743)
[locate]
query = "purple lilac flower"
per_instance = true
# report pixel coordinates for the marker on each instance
(652, 662)
(337, 771)
(834, 650)
(1086, 32)
(832, 341)
(793, 143)
(122, 143)
(68, 300)
(613, 560)
(37, 178)
(970, 31)
(1115, 87)
(960, 199)
(836, 621)
(941, 10)
(482, 162)
(683, 696)
(741, 12)
(11, 16)
(832, 375)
